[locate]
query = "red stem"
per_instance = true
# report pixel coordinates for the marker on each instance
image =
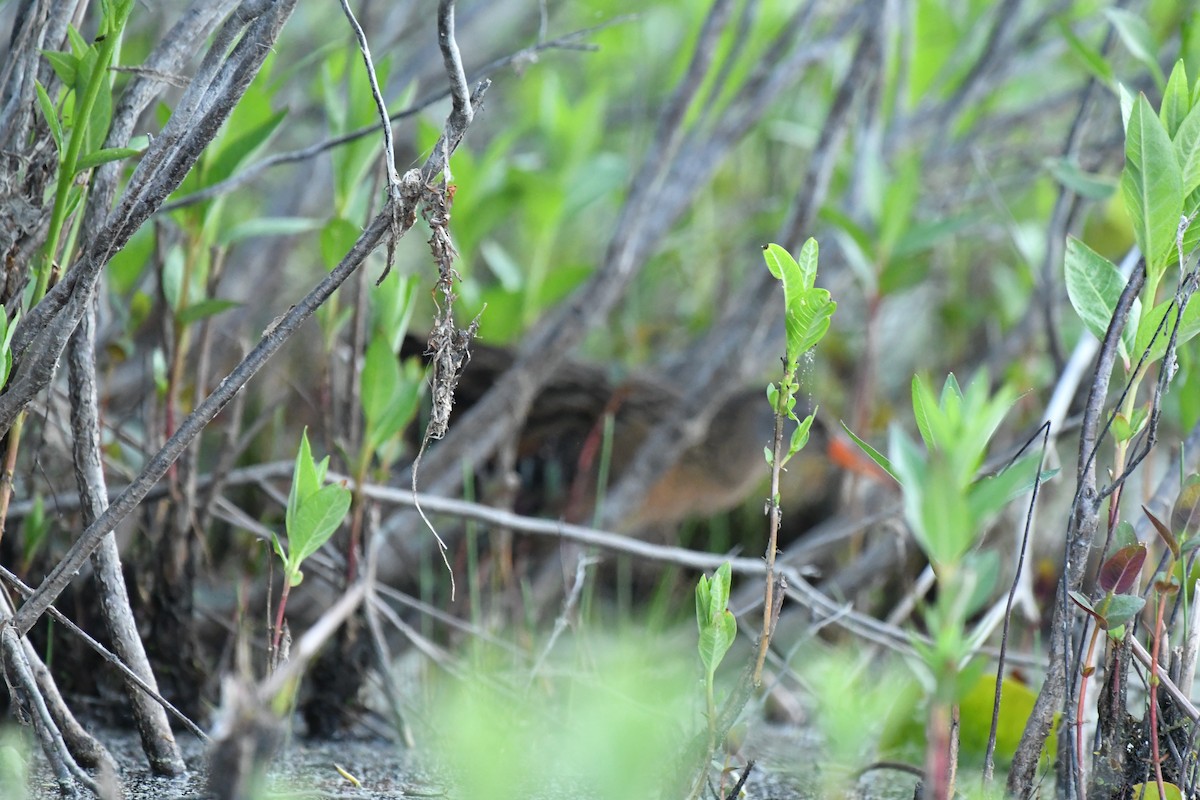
(277, 636)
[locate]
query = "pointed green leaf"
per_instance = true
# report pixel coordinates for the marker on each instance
(380, 383)
(873, 454)
(51, 117)
(807, 262)
(702, 601)
(1135, 35)
(103, 156)
(1126, 100)
(924, 409)
(319, 516)
(1152, 185)
(1121, 609)
(203, 309)
(305, 481)
(240, 147)
(1154, 334)
(1094, 285)
(716, 639)
(1085, 184)
(1177, 99)
(1187, 148)
(1083, 602)
(267, 226)
(1091, 58)
(800, 435)
(64, 66)
(988, 496)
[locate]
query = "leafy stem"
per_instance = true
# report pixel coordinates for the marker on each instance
(108, 41)
(808, 312)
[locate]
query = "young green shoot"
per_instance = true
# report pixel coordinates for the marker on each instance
(808, 311)
(718, 629)
(314, 512)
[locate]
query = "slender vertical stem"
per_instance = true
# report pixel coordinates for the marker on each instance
(773, 522)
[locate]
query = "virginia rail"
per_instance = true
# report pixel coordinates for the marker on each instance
(558, 451)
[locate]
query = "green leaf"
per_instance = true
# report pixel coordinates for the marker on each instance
(1083, 602)
(319, 516)
(1187, 148)
(79, 45)
(902, 273)
(1126, 100)
(809, 309)
(100, 115)
(1085, 184)
(267, 226)
(83, 75)
(1091, 58)
(1152, 185)
(703, 598)
(1094, 285)
(716, 639)
(1149, 791)
(719, 590)
(873, 454)
(204, 309)
(405, 403)
(51, 117)
(800, 436)
(103, 156)
(337, 237)
(380, 383)
(305, 481)
(277, 544)
(988, 496)
(809, 319)
(1121, 609)
(1177, 99)
(1135, 35)
(172, 277)
(392, 306)
(241, 147)
(945, 516)
(1189, 326)
(63, 64)
(924, 409)
(807, 261)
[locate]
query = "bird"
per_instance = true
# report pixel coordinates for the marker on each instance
(558, 448)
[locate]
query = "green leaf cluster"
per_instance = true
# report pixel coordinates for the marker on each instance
(808, 313)
(314, 512)
(79, 124)
(716, 622)
(1160, 186)
(944, 503)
